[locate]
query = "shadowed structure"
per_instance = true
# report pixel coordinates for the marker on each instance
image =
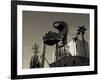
(35, 63)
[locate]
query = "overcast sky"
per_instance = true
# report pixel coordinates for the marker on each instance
(36, 24)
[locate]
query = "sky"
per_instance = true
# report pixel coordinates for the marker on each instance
(36, 24)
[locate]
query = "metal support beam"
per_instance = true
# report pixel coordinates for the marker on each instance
(43, 55)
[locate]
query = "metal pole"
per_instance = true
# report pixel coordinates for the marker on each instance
(47, 62)
(43, 55)
(56, 52)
